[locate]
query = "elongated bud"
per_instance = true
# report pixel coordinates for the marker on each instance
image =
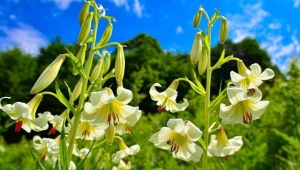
(83, 13)
(196, 48)
(222, 139)
(97, 70)
(80, 56)
(202, 63)
(110, 134)
(34, 103)
(242, 69)
(77, 89)
(107, 61)
(223, 30)
(174, 84)
(197, 17)
(120, 65)
(85, 29)
(122, 145)
(48, 75)
(106, 35)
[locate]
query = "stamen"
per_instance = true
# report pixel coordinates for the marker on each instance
(226, 158)
(18, 126)
(85, 133)
(52, 131)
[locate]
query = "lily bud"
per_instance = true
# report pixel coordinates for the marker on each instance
(242, 69)
(202, 64)
(223, 30)
(107, 61)
(48, 75)
(97, 70)
(85, 29)
(122, 145)
(84, 12)
(106, 35)
(197, 17)
(77, 89)
(174, 84)
(120, 65)
(80, 56)
(110, 134)
(196, 48)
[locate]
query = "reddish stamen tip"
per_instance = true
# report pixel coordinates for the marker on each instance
(52, 131)
(18, 126)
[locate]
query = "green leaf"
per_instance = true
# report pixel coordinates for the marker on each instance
(215, 16)
(63, 152)
(62, 98)
(109, 18)
(194, 87)
(220, 61)
(56, 165)
(69, 91)
(89, 39)
(201, 141)
(80, 165)
(201, 88)
(76, 63)
(39, 165)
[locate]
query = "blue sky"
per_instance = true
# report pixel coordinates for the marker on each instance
(31, 24)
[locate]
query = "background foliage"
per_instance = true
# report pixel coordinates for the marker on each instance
(271, 142)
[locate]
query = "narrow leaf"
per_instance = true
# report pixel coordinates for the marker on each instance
(215, 16)
(194, 87)
(76, 63)
(63, 153)
(62, 98)
(38, 165)
(89, 39)
(220, 61)
(201, 141)
(69, 91)
(80, 165)
(201, 88)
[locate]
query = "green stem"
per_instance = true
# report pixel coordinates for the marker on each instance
(207, 100)
(87, 161)
(77, 115)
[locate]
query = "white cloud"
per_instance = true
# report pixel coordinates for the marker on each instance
(296, 3)
(274, 25)
(24, 36)
(121, 3)
(62, 4)
(11, 16)
(179, 30)
(138, 8)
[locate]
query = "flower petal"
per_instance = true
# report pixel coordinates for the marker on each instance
(255, 69)
(124, 95)
(162, 136)
(177, 125)
(257, 109)
(266, 74)
(176, 107)
(235, 77)
(193, 131)
(236, 95)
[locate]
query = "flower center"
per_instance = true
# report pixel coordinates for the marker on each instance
(175, 142)
(162, 107)
(113, 117)
(247, 117)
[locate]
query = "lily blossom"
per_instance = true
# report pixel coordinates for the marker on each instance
(220, 146)
(24, 114)
(166, 100)
(243, 108)
(179, 138)
(126, 128)
(105, 109)
(124, 151)
(246, 76)
(47, 148)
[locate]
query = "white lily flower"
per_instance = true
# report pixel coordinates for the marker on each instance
(124, 151)
(126, 128)
(24, 114)
(220, 146)
(122, 165)
(47, 148)
(246, 76)
(166, 100)
(243, 108)
(105, 109)
(179, 138)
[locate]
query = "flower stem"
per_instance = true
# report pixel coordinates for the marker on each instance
(207, 100)
(78, 113)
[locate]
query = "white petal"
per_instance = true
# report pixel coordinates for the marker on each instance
(256, 97)
(266, 75)
(235, 77)
(124, 95)
(100, 98)
(237, 142)
(193, 131)
(176, 107)
(41, 123)
(155, 95)
(170, 93)
(127, 113)
(177, 125)
(255, 69)
(189, 152)
(257, 109)
(162, 136)
(236, 95)
(226, 111)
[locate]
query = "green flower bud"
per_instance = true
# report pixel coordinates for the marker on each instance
(107, 61)
(48, 75)
(85, 29)
(196, 48)
(97, 70)
(120, 65)
(223, 30)
(106, 35)
(197, 17)
(110, 134)
(77, 89)
(84, 12)
(202, 64)
(80, 56)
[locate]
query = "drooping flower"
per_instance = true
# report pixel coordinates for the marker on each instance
(122, 165)
(126, 128)
(47, 148)
(124, 151)
(179, 138)
(220, 146)
(105, 109)
(243, 108)
(24, 114)
(57, 121)
(246, 76)
(166, 100)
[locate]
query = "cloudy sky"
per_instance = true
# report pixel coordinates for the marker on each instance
(31, 24)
